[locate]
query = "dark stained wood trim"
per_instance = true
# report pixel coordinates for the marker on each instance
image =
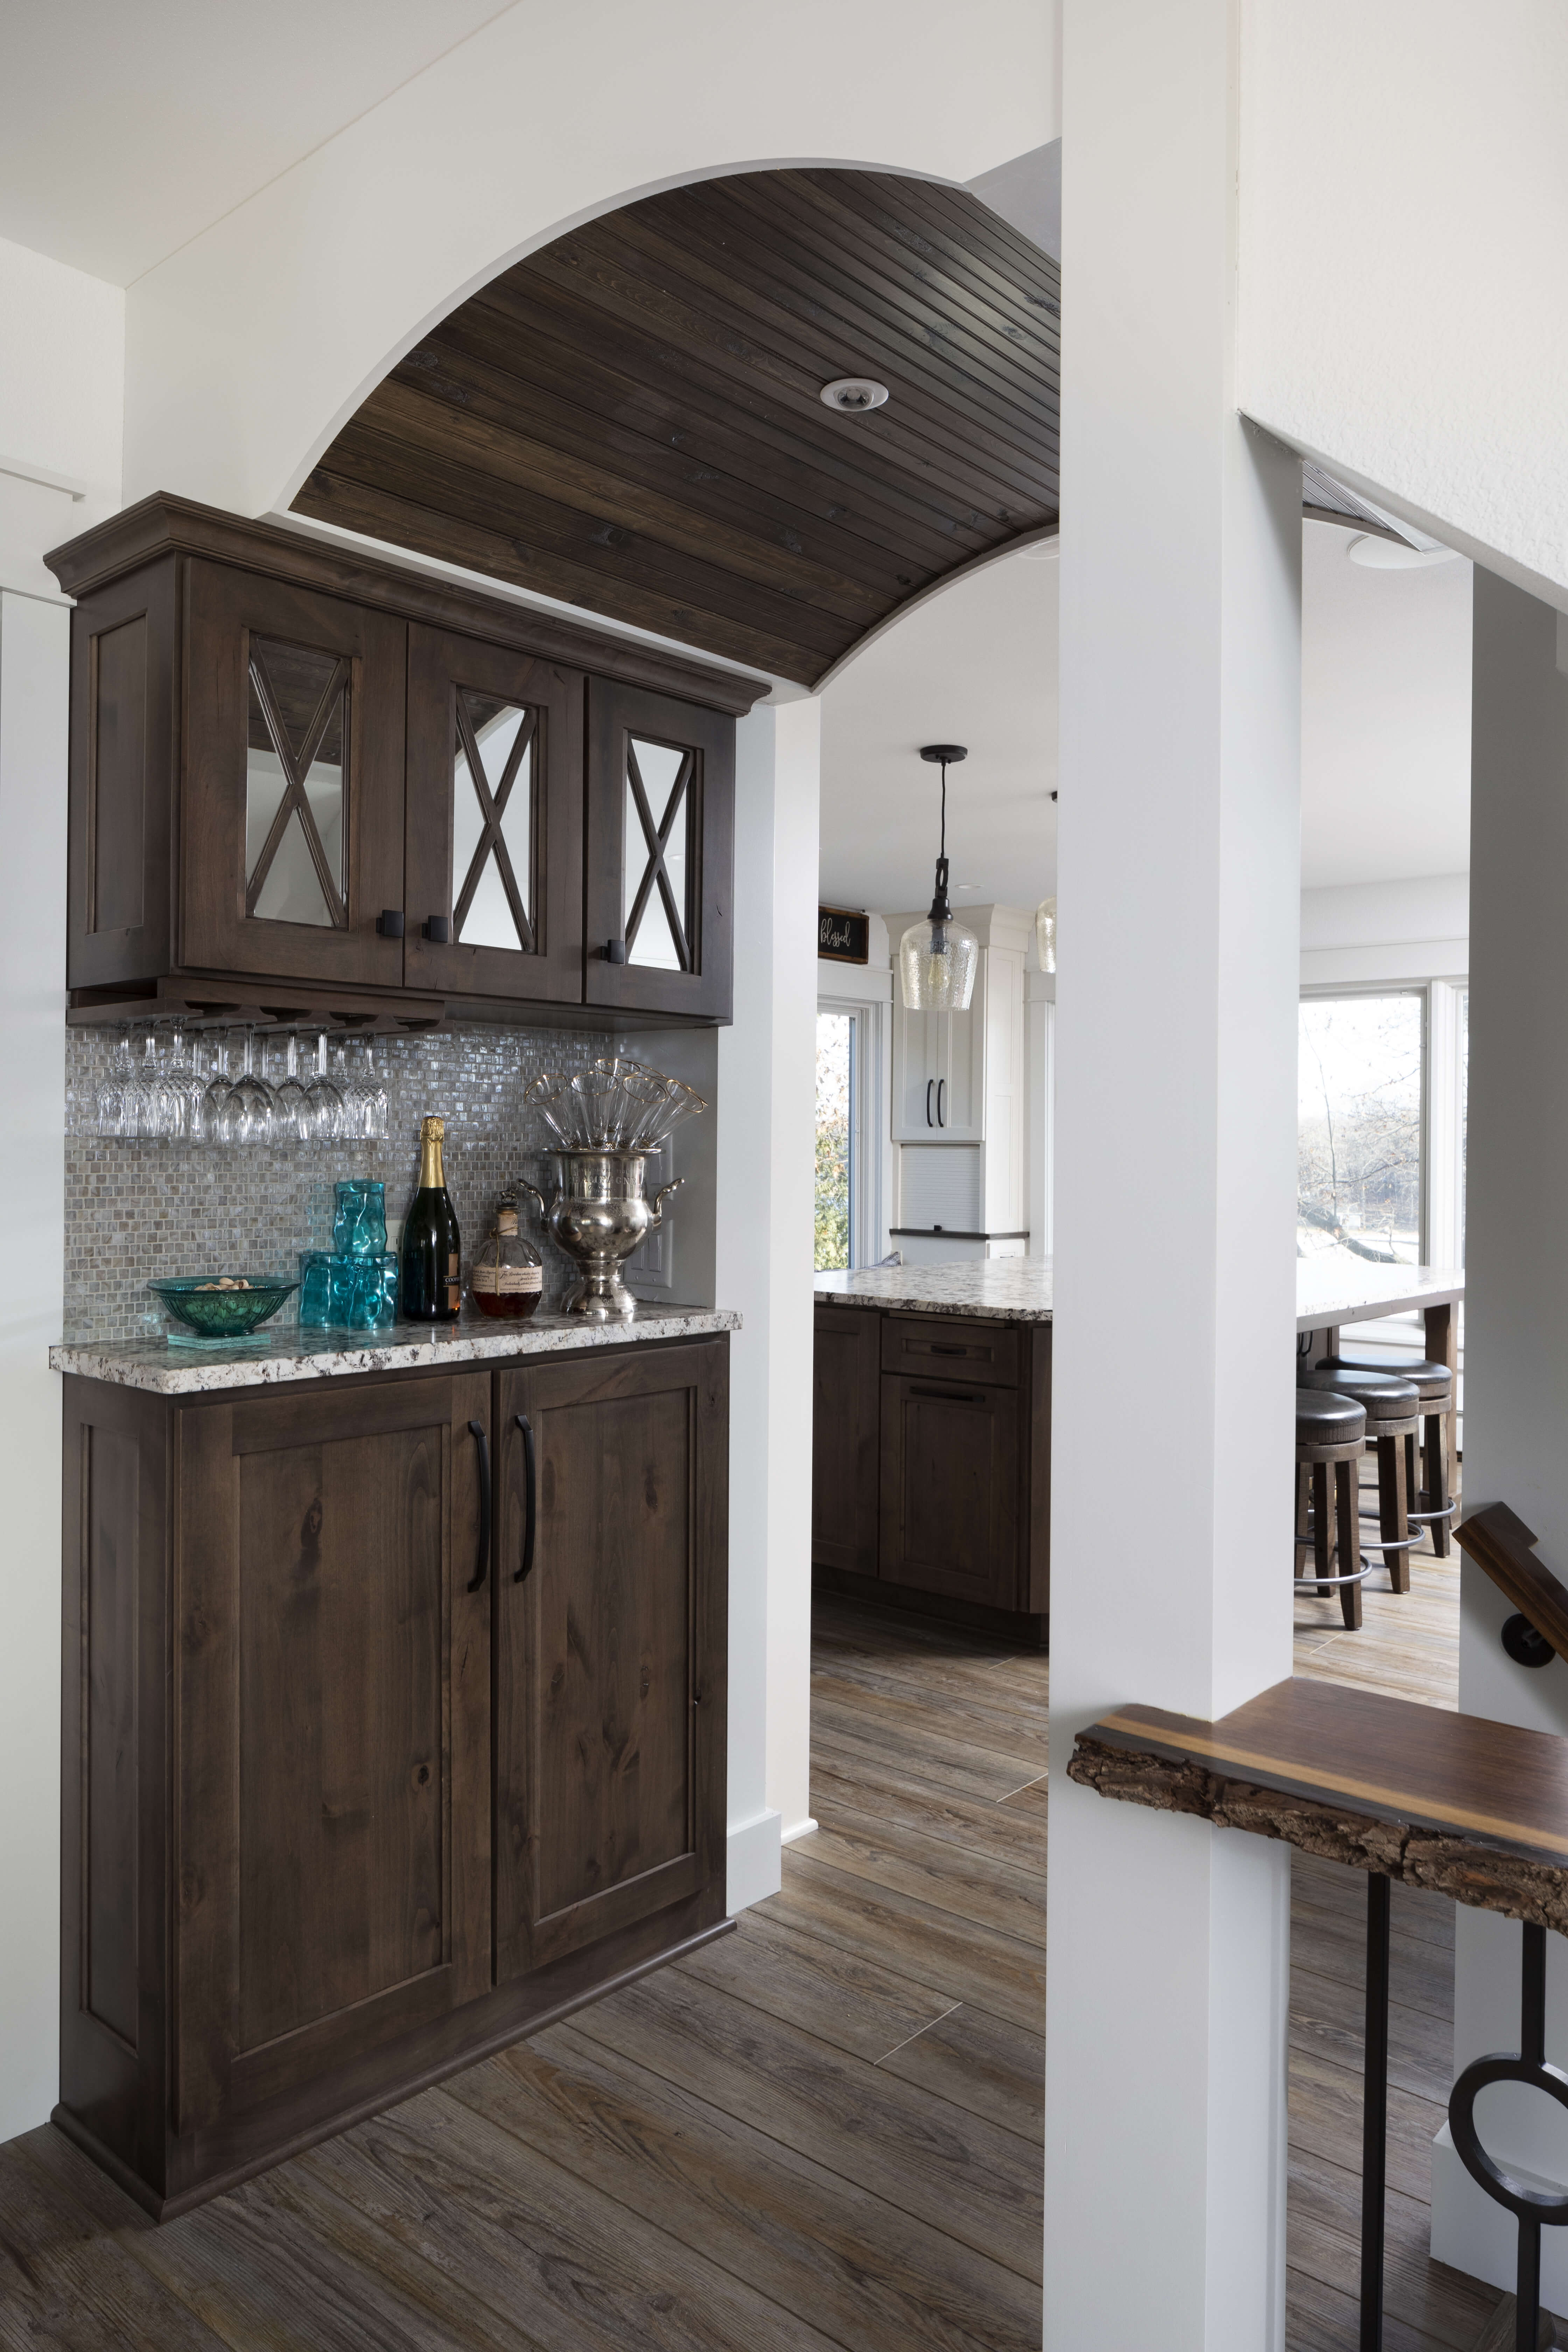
(1497, 1540)
(163, 523)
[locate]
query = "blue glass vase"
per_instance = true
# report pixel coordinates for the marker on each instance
(347, 1294)
(359, 1218)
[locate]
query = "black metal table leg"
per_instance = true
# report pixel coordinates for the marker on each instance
(1375, 2113)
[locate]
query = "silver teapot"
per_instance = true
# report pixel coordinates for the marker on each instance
(600, 1215)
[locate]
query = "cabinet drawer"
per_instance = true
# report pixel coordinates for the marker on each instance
(939, 1345)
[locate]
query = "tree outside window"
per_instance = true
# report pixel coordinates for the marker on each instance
(835, 1148)
(1358, 1127)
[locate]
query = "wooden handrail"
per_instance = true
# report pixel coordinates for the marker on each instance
(1497, 1540)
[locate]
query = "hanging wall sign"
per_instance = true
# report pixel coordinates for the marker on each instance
(842, 937)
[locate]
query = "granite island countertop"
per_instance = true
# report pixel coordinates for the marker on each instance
(997, 1289)
(1329, 1290)
(295, 1355)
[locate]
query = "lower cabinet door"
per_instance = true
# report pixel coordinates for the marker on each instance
(331, 1731)
(610, 1643)
(951, 1489)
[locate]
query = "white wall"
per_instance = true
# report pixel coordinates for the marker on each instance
(250, 345)
(1516, 1403)
(1405, 216)
(767, 1085)
(1361, 932)
(1179, 882)
(60, 414)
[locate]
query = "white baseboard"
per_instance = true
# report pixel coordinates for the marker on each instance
(1471, 2233)
(753, 1867)
(799, 1830)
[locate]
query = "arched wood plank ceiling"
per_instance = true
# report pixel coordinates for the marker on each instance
(629, 420)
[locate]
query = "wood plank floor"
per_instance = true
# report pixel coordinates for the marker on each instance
(824, 2131)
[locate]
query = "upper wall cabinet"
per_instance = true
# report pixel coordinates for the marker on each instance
(661, 836)
(304, 772)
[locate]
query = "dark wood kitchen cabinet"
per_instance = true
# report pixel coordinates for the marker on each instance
(931, 1470)
(308, 784)
(610, 1669)
(347, 1800)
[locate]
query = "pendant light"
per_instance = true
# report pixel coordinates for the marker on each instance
(937, 958)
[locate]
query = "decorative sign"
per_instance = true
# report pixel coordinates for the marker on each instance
(843, 936)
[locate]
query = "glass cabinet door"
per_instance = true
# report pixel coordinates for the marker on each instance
(495, 821)
(291, 811)
(661, 793)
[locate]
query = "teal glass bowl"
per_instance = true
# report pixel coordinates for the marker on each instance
(223, 1314)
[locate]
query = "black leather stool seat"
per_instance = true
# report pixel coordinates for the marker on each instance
(1385, 1398)
(1435, 1382)
(1324, 1419)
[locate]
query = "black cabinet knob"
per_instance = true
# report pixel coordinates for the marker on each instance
(439, 928)
(614, 951)
(389, 922)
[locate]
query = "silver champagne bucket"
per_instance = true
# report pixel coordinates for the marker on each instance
(600, 1215)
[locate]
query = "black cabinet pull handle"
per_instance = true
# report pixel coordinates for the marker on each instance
(938, 1348)
(953, 1396)
(439, 928)
(482, 1440)
(942, 1102)
(530, 1496)
(389, 922)
(614, 951)
(930, 1083)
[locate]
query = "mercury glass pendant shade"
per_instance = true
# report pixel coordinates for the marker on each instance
(1045, 933)
(936, 966)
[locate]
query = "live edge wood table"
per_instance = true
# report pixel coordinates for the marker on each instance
(1470, 1809)
(395, 1715)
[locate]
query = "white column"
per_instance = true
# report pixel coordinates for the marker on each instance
(35, 653)
(1516, 1316)
(1175, 1201)
(767, 1087)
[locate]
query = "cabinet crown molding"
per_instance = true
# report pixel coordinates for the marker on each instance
(164, 524)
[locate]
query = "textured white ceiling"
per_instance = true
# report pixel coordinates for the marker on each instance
(1385, 733)
(126, 129)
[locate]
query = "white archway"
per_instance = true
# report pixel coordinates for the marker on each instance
(246, 350)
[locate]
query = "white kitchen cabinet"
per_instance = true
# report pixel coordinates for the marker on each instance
(939, 1071)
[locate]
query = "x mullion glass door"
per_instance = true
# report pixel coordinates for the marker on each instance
(495, 822)
(292, 806)
(660, 859)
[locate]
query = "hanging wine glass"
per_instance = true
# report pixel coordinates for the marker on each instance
(184, 1085)
(147, 1101)
(375, 1095)
(247, 1115)
(326, 1119)
(109, 1104)
(291, 1102)
(216, 1092)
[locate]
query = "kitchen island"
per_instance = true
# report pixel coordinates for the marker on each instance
(931, 1484)
(394, 1714)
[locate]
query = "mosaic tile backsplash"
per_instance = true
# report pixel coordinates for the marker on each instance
(137, 1210)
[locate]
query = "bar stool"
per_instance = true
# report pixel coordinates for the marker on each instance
(1392, 1413)
(1330, 1433)
(1435, 1385)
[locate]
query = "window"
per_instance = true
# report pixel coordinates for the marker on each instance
(1360, 1123)
(838, 1174)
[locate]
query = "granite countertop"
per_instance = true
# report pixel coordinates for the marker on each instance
(296, 1355)
(1333, 1288)
(997, 1289)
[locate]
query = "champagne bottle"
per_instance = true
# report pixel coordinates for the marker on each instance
(431, 1285)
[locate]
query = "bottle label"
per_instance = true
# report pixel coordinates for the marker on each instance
(509, 1278)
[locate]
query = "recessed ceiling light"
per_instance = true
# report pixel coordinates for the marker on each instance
(853, 394)
(1375, 554)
